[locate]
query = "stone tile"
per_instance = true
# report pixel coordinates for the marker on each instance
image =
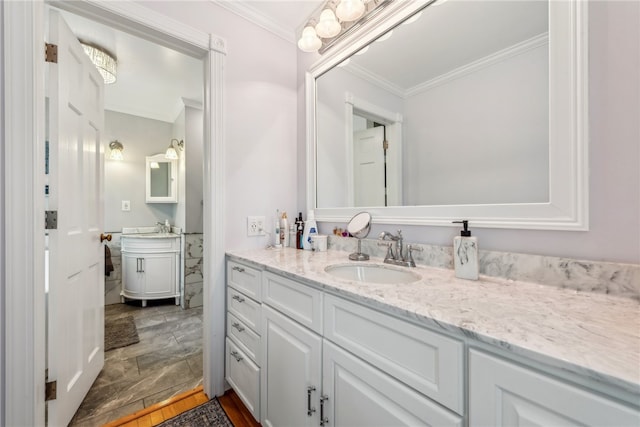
(167, 327)
(188, 335)
(115, 369)
(193, 270)
(178, 316)
(147, 321)
(105, 418)
(172, 391)
(195, 363)
(193, 246)
(129, 390)
(149, 343)
(171, 354)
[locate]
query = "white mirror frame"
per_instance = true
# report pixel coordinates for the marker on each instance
(568, 204)
(173, 187)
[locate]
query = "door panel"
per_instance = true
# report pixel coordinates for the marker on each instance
(75, 327)
(369, 168)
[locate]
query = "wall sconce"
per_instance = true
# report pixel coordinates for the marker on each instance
(104, 61)
(171, 153)
(336, 18)
(116, 150)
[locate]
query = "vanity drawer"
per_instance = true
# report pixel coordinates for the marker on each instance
(244, 337)
(244, 278)
(301, 303)
(244, 308)
(427, 361)
(138, 244)
(244, 376)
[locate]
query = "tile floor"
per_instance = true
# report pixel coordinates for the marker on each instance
(166, 362)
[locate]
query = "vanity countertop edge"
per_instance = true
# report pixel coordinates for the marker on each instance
(588, 334)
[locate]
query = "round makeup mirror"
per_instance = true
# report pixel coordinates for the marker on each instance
(359, 227)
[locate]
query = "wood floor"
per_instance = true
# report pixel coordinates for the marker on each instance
(162, 411)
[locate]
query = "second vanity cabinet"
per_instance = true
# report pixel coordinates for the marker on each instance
(150, 267)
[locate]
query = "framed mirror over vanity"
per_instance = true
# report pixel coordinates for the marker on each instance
(161, 179)
(482, 107)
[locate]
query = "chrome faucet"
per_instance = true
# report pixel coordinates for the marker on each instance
(397, 257)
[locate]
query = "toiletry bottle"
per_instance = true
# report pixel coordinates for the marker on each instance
(465, 253)
(310, 228)
(299, 231)
(276, 234)
(284, 230)
(292, 235)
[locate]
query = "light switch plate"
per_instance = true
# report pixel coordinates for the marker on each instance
(126, 205)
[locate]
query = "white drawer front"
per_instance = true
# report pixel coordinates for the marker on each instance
(429, 362)
(244, 376)
(301, 303)
(245, 279)
(244, 337)
(132, 244)
(244, 308)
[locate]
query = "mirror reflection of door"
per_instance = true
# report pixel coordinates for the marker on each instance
(369, 164)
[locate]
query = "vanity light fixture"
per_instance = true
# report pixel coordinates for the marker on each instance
(335, 20)
(104, 61)
(171, 153)
(116, 150)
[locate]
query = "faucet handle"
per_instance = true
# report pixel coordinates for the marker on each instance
(410, 249)
(389, 246)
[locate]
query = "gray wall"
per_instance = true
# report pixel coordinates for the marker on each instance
(614, 101)
(125, 180)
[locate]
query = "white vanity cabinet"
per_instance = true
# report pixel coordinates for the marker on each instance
(150, 267)
(503, 393)
(243, 343)
(309, 381)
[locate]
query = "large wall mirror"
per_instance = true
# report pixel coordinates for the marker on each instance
(435, 111)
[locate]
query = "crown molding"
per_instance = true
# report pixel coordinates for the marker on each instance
(253, 15)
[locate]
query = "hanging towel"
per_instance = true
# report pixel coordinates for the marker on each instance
(108, 264)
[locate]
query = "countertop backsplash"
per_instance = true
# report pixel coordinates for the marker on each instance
(589, 276)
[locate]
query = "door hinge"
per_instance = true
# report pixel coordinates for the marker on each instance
(385, 145)
(50, 53)
(50, 390)
(50, 220)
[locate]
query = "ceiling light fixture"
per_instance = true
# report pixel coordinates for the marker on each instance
(336, 19)
(171, 153)
(103, 60)
(116, 150)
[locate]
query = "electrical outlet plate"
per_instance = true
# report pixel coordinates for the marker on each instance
(255, 226)
(126, 205)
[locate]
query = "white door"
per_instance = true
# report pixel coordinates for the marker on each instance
(291, 372)
(369, 167)
(75, 330)
(357, 394)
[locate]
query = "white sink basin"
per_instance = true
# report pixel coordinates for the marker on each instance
(372, 273)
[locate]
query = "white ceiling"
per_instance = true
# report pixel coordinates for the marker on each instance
(153, 80)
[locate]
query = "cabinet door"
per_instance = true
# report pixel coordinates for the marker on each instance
(502, 393)
(160, 275)
(132, 275)
(357, 394)
(291, 364)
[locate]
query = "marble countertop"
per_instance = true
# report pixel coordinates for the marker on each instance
(589, 334)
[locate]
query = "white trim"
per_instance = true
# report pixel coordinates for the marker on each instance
(375, 79)
(213, 343)
(23, 110)
(253, 15)
(23, 114)
(568, 208)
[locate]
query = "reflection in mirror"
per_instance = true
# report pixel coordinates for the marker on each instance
(449, 109)
(160, 179)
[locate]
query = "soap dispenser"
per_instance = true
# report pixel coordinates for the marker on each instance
(465, 253)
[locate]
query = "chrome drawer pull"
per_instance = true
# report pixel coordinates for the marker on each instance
(323, 420)
(238, 298)
(237, 326)
(238, 269)
(310, 410)
(236, 356)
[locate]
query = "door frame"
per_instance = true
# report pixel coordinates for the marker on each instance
(22, 116)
